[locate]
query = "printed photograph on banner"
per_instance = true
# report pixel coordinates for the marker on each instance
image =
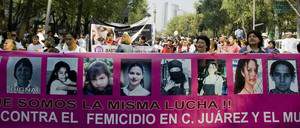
(176, 77)
(282, 77)
(62, 76)
(247, 76)
(24, 75)
(102, 35)
(135, 77)
(98, 76)
(212, 77)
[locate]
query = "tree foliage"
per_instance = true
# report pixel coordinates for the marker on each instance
(186, 25)
(213, 17)
(224, 16)
(66, 14)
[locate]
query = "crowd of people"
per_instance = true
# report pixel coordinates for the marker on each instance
(253, 42)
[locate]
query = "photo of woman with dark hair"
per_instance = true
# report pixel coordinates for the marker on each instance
(247, 80)
(211, 78)
(62, 80)
(98, 79)
(175, 80)
(23, 73)
(135, 73)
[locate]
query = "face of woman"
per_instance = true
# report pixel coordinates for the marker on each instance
(253, 39)
(201, 46)
(8, 45)
(23, 73)
(100, 82)
(231, 40)
(135, 76)
(35, 41)
(62, 74)
(250, 73)
(212, 69)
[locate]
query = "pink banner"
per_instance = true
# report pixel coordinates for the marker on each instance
(149, 90)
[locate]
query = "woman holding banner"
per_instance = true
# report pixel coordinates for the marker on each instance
(98, 79)
(136, 81)
(255, 43)
(246, 78)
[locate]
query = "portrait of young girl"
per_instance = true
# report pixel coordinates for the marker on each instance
(248, 76)
(63, 76)
(212, 77)
(98, 77)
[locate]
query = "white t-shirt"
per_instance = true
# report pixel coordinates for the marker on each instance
(290, 45)
(19, 45)
(77, 50)
(35, 48)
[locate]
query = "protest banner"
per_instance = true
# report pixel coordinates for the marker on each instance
(149, 90)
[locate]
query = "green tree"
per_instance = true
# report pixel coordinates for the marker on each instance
(186, 25)
(71, 15)
(240, 12)
(214, 18)
(138, 10)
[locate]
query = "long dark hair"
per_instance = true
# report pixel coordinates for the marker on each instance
(54, 75)
(239, 78)
(207, 66)
(259, 36)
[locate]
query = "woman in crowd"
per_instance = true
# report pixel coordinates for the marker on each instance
(255, 43)
(98, 79)
(202, 44)
(71, 45)
(232, 46)
(136, 81)
(246, 78)
(35, 45)
(271, 47)
(9, 45)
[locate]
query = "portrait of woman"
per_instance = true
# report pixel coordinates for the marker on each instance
(98, 79)
(23, 73)
(134, 79)
(212, 77)
(175, 80)
(247, 79)
(62, 80)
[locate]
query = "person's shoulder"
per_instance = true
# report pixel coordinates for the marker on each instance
(243, 50)
(145, 92)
